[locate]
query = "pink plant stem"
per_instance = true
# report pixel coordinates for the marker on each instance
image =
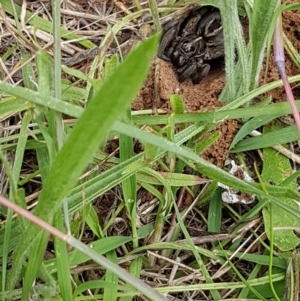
(280, 61)
(31, 217)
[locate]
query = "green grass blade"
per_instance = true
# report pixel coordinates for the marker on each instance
(111, 292)
(135, 270)
(58, 129)
(202, 166)
(15, 177)
(250, 126)
(101, 246)
(276, 137)
(273, 111)
(27, 70)
(109, 103)
(95, 284)
(36, 256)
(215, 212)
(62, 262)
(229, 8)
(263, 11)
(226, 112)
(11, 106)
(129, 184)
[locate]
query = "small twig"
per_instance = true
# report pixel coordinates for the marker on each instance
(123, 7)
(280, 61)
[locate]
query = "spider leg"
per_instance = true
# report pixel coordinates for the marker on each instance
(186, 72)
(206, 22)
(168, 38)
(200, 73)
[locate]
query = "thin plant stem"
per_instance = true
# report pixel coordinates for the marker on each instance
(280, 62)
(58, 132)
(137, 4)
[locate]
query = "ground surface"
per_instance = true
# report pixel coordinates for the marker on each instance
(201, 97)
(205, 95)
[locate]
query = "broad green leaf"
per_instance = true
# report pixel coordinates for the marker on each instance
(144, 231)
(275, 170)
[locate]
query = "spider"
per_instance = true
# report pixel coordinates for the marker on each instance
(190, 43)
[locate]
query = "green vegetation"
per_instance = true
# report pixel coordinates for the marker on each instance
(65, 125)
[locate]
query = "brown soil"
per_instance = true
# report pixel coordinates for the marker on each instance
(291, 28)
(200, 97)
(204, 96)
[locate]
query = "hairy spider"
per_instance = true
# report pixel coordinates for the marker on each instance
(190, 43)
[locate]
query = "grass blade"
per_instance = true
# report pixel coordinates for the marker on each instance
(263, 11)
(84, 139)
